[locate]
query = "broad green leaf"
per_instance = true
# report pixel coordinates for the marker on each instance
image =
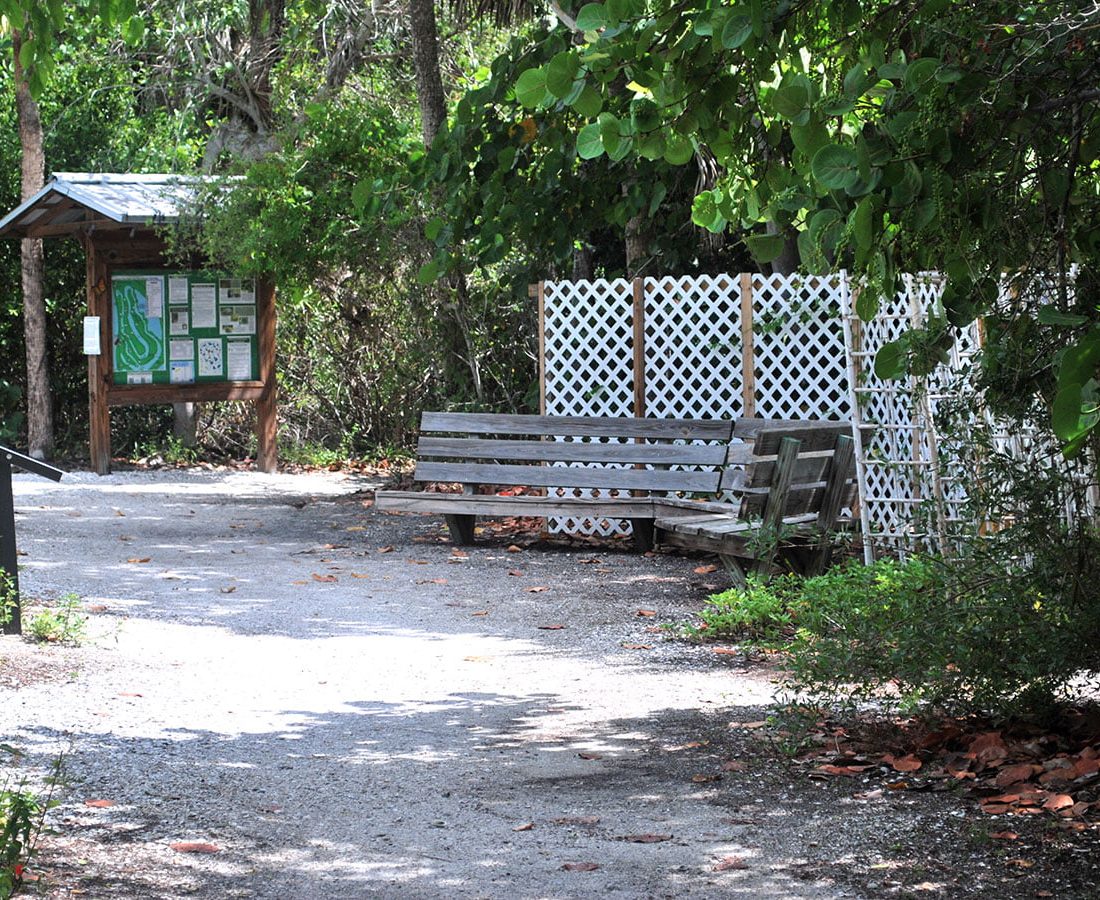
(560, 72)
(678, 150)
(810, 138)
(26, 54)
(863, 222)
(589, 141)
(531, 88)
(589, 103)
(890, 360)
(792, 101)
(867, 303)
(705, 213)
(835, 166)
(1048, 315)
(766, 247)
(949, 74)
(652, 145)
(592, 17)
(428, 273)
(1065, 414)
(894, 71)
(920, 74)
(736, 31)
(821, 220)
(655, 201)
(857, 80)
(433, 228)
(134, 30)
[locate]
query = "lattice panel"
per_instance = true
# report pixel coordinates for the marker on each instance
(589, 350)
(693, 348)
(800, 365)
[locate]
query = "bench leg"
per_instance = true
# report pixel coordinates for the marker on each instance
(734, 568)
(643, 534)
(461, 528)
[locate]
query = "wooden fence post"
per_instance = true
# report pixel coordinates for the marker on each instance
(537, 292)
(748, 358)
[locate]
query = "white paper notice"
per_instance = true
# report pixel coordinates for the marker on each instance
(139, 377)
(182, 372)
(181, 349)
(91, 336)
(204, 307)
(180, 321)
(210, 356)
(154, 298)
(238, 359)
(177, 290)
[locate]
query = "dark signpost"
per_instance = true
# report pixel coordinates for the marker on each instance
(9, 556)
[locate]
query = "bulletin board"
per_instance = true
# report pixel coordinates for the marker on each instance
(183, 328)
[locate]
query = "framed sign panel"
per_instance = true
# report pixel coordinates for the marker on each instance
(183, 328)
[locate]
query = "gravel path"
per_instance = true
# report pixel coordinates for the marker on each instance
(342, 707)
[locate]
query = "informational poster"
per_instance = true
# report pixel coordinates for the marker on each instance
(137, 324)
(183, 328)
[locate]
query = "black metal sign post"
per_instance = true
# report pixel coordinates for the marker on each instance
(9, 557)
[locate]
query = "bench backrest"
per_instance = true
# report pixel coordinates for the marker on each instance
(620, 454)
(824, 460)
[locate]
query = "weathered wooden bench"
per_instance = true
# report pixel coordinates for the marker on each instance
(793, 484)
(790, 475)
(628, 461)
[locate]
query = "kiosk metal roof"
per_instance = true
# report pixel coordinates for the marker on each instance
(73, 201)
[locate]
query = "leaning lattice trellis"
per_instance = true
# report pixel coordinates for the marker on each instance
(773, 346)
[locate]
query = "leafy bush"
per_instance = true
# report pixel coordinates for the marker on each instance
(760, 611)
(64, 624)
(22, 817)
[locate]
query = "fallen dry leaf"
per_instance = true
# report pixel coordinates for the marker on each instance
(576, 820)
(96, 608)
(139, 559)
(590, 561)
(903, 764)
(515, 573)
(1019, 863)
(580, 867)
(646, 838)
(646, 613)
(554, 627)
(359, 575)
(459, 554)
(729, 864)
(431, 581)
(417, 562)
(387, 549)
(747, 724)
(705, 779)
(705, 570)
(1057, 802)
(590, 756)
(1004, 835)
(480, 612)
(526, 826)
(1011, 775)
(733, 765)
(355, 528)
(514, 548)
(637, 646)
(324, 578)
(299, 582)
(193, 847)
(229, 589)
(99, 804)
(536, 590)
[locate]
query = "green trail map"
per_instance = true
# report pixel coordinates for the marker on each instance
(139, 325)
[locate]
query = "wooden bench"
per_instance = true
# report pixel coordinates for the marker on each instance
(630, 462)
(650, 471)
(794, 483)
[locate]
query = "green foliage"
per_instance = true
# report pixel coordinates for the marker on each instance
(22, 817)
(11, 417)
(761, 611)
(64, 623)
(884, 137)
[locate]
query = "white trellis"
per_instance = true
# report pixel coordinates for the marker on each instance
(781, 346)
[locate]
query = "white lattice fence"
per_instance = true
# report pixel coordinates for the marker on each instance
(732, 345)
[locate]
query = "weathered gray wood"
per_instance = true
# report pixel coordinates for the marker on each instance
(809, 468)
(836, 491)
(578, 426)
(570, 451)
(747, 427)
(568, 477)
(494, 505)
(777, 500)
(817, 436)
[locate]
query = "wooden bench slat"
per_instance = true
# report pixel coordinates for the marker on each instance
(569, 477)
(571, 451)
(578, 426)
(494, 505)
(821, 436)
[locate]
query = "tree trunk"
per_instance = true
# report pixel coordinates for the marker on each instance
(429, 82)
(461, 371)
(39, 401)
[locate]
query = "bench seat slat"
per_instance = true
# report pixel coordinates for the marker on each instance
(578, 426)
(495, 505)
(569, 477)
(570, 451)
